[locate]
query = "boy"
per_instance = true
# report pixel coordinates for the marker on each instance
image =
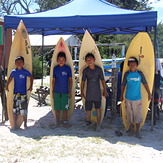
(132, 79)
(20, 103)
(62, 84)
(93, 74)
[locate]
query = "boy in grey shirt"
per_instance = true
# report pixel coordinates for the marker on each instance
(93, 74)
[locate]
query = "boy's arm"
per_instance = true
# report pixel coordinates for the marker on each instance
(105, 94)
(31, 83)
(148, 91)
(82, 88)
(8, 82)
(123, 84)
(122, 92)
(144, 81)
(53, 84)
(70, 87)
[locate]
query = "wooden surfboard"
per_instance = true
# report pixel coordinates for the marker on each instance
(141, 48)
(89, 46)
(20, 47)
(62, 47)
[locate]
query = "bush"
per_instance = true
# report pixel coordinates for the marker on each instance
(37, 67)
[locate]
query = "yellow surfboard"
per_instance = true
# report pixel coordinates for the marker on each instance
(20, 47)
(62, 47)
(89, 46)
(141, 48)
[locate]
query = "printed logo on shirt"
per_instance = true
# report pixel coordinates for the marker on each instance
(64, 73)
(21, 76)
(135, 79)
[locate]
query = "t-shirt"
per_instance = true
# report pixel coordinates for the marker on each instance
(93, 77)
(20, 80)
(61, 75)
(133, 81)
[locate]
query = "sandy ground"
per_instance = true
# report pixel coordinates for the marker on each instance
(42, 143)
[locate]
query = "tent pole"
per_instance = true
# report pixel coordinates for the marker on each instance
(152, 114)
(4, 108)
(42, 51)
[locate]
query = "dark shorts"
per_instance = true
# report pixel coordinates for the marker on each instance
(89, 105)
(20, 104)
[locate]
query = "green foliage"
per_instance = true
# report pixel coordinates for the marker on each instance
(37, 67)
(50, 4)
(160, 40)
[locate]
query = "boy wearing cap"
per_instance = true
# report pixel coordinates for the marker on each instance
(20, 102)
(132, 81)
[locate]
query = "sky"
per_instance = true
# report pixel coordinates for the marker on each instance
(157, 6)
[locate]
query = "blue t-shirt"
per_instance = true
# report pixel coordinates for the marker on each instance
(133, 81)
(20, 80)
(61, 75)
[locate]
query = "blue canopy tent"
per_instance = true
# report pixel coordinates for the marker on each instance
(97, 16)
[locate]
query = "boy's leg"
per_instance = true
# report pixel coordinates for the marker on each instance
(98, 116)
(14, 120)
(98, 111)
(137, 131)
(137, 109)
(57, 101)
(57, 112)
(65, 115)
(25, 121)
(88, 108)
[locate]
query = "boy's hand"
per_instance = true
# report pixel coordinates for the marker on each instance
(30, 89)
(105, 94)
(121, 98)
(70, 95)
(149, 97)
(7, 88)
(82, 95)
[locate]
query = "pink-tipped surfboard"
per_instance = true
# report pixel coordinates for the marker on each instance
(62, 47)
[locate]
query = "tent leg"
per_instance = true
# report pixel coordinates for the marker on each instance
(152, 109)
(42, 51)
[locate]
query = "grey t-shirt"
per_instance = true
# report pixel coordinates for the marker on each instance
(93, 77)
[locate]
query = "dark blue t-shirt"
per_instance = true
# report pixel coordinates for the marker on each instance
(20, 80)
(61, 75)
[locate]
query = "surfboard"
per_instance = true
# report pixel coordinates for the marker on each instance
(141, 48)
(20, 47)
(88, 46)
(62, 47)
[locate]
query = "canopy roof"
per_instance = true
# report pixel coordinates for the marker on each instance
(97, 16)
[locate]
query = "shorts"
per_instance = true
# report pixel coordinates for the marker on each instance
(61, 101)
(89, 104)
(134, 111)
(20, 104)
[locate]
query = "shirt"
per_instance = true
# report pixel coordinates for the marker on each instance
(20, 80)
(61, 75)
(133, 81)
(93, 77)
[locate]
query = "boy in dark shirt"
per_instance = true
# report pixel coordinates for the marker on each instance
(93, 74)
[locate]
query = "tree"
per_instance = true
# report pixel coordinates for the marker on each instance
(15, 6)
(50, 4)
(160, 40)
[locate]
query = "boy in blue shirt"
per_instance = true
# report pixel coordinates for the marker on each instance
(132, 80)
(20, 104)
(62, 84)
